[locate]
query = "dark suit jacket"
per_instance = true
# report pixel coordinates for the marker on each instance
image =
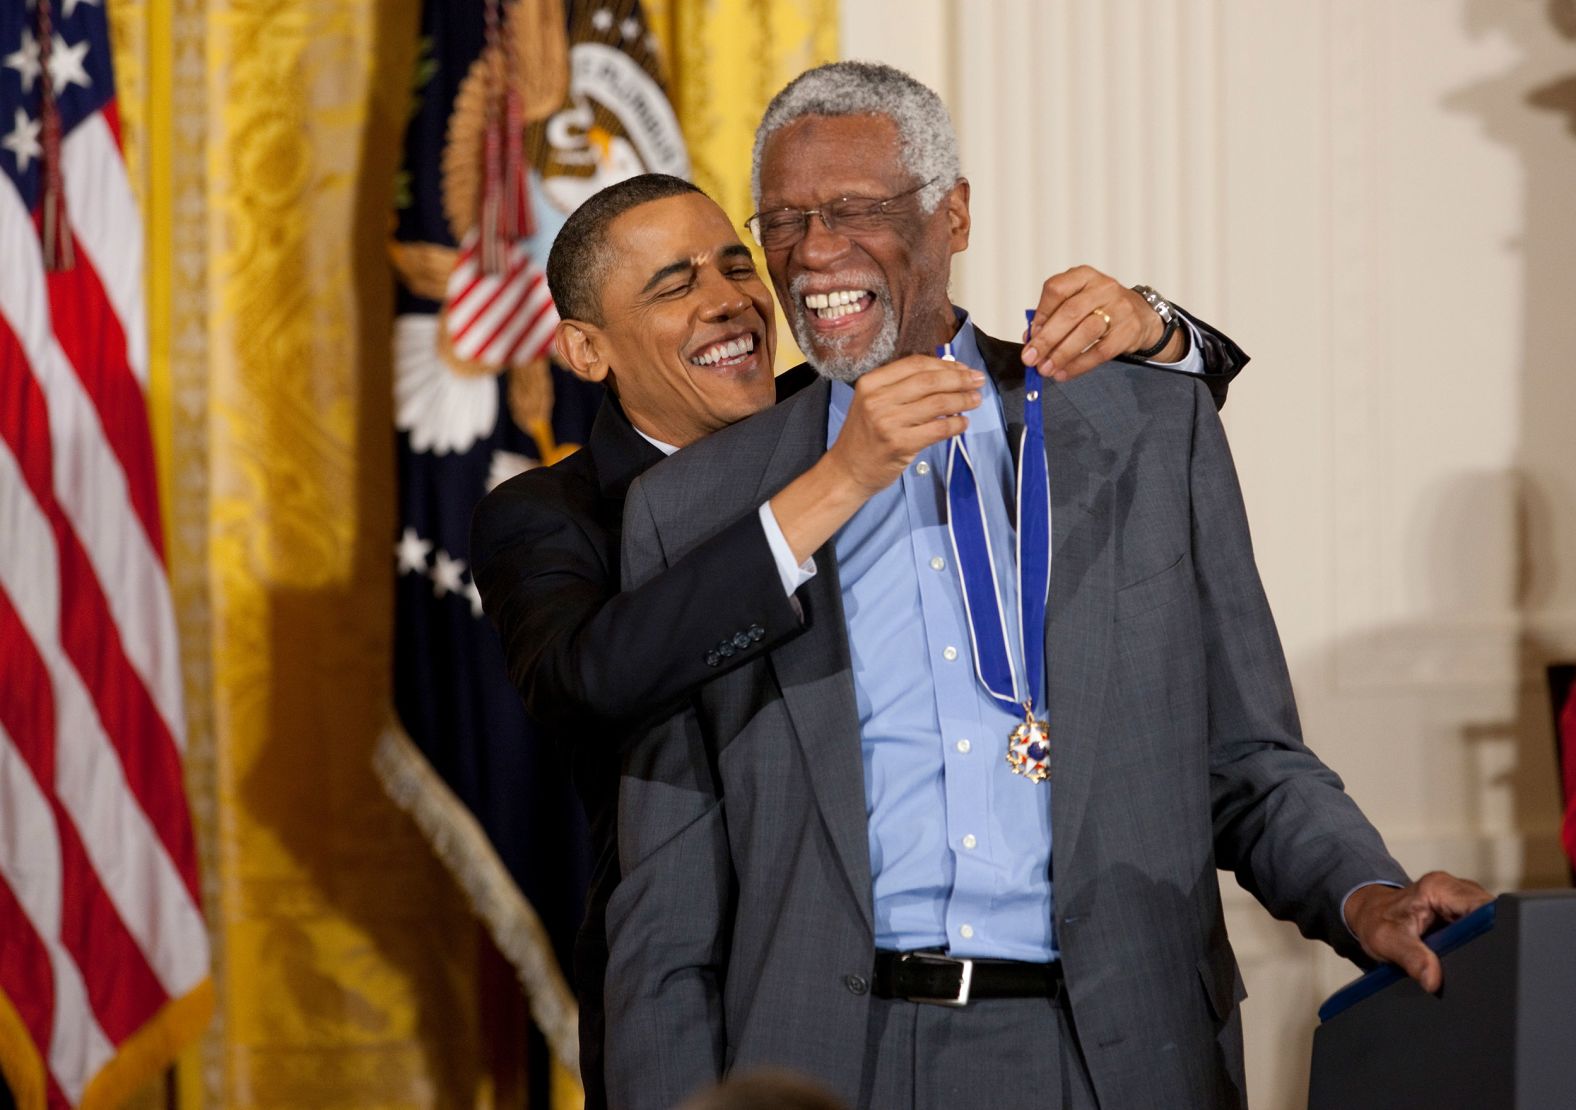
(591, 662)
(742, 929)
(1223, 359)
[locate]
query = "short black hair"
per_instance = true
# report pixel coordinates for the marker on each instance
(580, 260)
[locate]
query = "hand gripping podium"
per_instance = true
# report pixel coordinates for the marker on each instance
(1501, 1035)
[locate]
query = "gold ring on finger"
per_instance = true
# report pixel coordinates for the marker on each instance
(1104, 315)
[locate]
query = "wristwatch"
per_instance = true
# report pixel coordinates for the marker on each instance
(1168, 317)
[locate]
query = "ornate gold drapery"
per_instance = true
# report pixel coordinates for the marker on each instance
(264, 136)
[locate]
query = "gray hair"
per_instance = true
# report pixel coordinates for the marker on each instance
(929, 145)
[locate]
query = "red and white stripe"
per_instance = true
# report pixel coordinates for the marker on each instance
(500, 319)
(100, 919)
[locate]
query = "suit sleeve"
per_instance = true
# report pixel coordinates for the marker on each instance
(1223, 359)
(577, 649)
(668, 923)
(1283, 821)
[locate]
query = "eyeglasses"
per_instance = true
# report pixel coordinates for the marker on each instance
(783, 227)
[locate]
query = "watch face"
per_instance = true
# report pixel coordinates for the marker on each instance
(1155, 301)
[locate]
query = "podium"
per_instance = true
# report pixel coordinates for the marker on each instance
(1501, 1034)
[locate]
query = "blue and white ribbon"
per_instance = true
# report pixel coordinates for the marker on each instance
(1012, 673)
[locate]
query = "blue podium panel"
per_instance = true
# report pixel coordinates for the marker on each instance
(1500, 1035)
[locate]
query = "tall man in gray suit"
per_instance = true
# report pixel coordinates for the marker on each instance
(956, 844)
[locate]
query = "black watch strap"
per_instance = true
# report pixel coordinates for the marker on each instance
(1165, 337)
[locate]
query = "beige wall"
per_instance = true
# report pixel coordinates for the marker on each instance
(1376, 200)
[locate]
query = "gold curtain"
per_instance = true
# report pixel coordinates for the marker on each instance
(263, 136)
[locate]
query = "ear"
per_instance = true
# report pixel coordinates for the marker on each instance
(579, 346)
(957, 205)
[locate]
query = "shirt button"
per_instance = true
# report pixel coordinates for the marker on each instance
(922, 467)
(856, 984)
(938, 563)
(949, 653)
(966, 931)
(969, 841)
(964, 746)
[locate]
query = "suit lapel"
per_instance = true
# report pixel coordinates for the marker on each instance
(1082, 601)
(621, 454)
(814, 670)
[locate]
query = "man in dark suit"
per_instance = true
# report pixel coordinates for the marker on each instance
(661, 301)
(910, 803)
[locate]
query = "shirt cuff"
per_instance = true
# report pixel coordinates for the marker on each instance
(1193, 361)
(793, 575)
(1354, 890)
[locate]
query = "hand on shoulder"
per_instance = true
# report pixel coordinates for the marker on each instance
(1086, 317)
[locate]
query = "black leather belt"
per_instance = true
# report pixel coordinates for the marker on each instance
(945, 981)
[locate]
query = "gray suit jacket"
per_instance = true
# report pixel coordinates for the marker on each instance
(742, 932)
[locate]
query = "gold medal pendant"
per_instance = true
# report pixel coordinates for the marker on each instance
(1029, 748)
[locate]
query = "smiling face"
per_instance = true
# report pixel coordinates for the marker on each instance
(858, 299)
(687, 333)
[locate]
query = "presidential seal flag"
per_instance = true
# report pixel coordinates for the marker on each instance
(103, 952)
(521, 109)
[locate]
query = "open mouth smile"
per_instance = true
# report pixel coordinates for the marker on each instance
(838, 303)
(732, 351)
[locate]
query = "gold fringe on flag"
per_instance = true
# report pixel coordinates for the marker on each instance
(20, 1062)
(147, 1052)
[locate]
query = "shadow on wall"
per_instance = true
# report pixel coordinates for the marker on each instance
(1507, 614)
(361, 984)
(1503, 614)
(1474, 671)
(1531, 109)
(1512, 611)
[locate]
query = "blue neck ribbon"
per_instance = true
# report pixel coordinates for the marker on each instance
(997, 663)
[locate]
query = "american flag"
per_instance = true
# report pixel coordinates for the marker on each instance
(103, 952)
(499, 319)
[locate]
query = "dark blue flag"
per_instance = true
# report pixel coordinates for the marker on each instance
(517, 117)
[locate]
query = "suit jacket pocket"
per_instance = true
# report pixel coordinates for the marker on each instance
(1222, 982)
(1154, 591)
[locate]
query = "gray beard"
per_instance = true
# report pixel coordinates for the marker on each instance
(829, 358)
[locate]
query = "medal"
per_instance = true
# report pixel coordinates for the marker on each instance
(1012, 674)
(1029, 748)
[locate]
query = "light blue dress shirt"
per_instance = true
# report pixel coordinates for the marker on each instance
(960, 848)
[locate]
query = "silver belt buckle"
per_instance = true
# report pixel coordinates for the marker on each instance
(965, 978)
